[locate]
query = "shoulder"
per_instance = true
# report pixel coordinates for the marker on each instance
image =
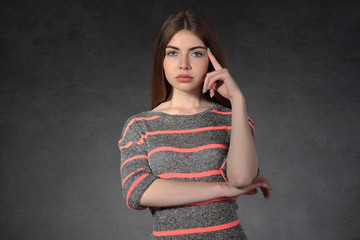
(224, 108)
(161, 107)
(137, 116)
(222, 111)
(134, 123)
(226, 112)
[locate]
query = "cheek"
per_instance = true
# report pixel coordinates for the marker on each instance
(202, 65)
(165, 63)
(168, 63)
(166, 66)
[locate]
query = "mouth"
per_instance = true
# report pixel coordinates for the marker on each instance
(184, 78)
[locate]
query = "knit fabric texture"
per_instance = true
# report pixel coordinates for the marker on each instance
(189, 148)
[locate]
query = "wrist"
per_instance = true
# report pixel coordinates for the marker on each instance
(223, 189)
(237, 98)
(238, 105)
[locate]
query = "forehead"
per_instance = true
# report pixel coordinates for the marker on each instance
(185, 39)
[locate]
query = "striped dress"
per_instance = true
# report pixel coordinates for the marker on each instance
(189, 148)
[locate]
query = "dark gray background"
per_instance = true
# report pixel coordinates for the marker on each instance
(73, 71)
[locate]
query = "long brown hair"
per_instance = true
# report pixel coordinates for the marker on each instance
(183, 20)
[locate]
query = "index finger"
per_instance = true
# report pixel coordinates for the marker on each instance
(213, 60)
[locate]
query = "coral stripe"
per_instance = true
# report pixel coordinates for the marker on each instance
(196, 230)
(132, 188)
(222, 168)
(223, 165)
(126, 178)
(252, 126)
(184, 131)
(126, 146)
(187, 150)
(137, 119)
(190, 175)
(210, 201)
(250, 120)
(132, 158)
(224, 113)
(141, 140)
(222, 174)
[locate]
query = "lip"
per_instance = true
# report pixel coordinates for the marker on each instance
(184, 78)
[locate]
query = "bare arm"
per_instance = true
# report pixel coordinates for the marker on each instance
(242, 163)
(167, 193)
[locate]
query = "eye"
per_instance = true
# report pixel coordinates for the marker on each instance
(171, 53)
(197, 54)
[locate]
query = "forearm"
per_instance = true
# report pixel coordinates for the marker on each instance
(242, 163)
(166, 193)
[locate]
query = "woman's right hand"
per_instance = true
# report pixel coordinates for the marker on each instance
(259, 182)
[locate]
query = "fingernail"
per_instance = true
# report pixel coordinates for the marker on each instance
(207, 88)
(208, 49)
(203, 91)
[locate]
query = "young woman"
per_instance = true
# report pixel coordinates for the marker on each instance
(192, 155)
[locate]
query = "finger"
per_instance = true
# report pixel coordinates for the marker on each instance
(265, 192)
(212, 93)
(214, 80)
(213, 60)
(207, 79)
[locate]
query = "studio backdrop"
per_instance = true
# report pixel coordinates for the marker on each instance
(73, 71)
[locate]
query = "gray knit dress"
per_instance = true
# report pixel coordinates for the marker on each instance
(189, 148)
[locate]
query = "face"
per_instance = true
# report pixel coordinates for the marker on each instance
(186, 62)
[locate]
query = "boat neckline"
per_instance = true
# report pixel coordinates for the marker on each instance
(187, 115)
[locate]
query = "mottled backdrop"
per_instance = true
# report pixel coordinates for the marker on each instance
(72, 71)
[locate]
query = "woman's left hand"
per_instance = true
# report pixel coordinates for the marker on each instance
(264, 186)
(221, 81)
(259, 182)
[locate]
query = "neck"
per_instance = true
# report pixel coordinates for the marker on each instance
(185, 103)
(188, 100)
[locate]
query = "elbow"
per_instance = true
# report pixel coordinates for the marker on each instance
(133, 202)
(241, 182)
(242, 179)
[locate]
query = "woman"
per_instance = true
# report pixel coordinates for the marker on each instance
(192, 155)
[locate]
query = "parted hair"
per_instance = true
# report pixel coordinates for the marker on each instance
(183, 20)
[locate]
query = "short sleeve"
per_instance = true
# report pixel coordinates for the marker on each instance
(252, 130)
(136, 175)
(252, 126)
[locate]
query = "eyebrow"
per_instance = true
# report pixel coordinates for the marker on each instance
(192, 48)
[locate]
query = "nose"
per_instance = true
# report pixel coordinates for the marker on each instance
(184, 64)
